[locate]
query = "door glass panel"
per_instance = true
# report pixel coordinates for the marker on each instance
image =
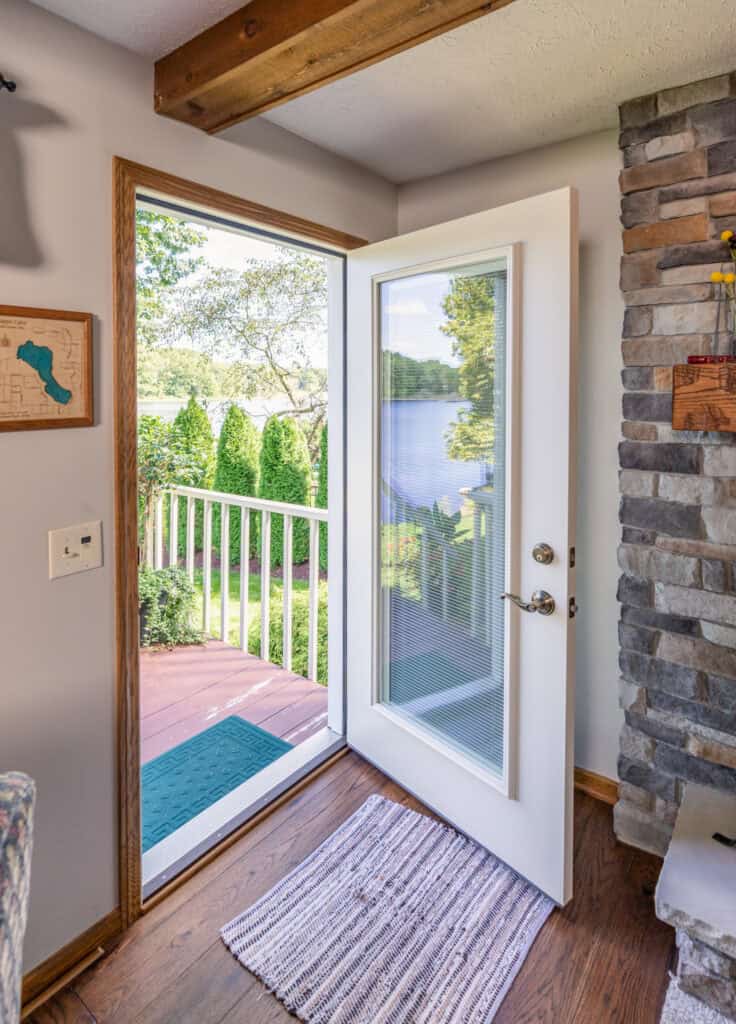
(442, 504)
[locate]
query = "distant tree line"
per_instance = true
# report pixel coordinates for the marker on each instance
(404, 377)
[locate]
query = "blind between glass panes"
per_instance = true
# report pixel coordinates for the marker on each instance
(442, 620)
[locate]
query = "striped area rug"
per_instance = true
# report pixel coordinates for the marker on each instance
(395, 919)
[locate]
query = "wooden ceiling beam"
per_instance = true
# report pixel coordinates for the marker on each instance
(272, 51)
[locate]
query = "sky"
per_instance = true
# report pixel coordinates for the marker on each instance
(228, 249)
(412, 315)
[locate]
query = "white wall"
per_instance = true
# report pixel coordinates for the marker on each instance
(79, 102)
(591, 164)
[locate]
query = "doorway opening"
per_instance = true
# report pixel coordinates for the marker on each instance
(239, 394)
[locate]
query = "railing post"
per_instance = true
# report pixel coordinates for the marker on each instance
(288, 560)
(265, 584)
(224, 570)
(488, 574)
(497, 574)
(158, 548)
(173, 528)
(189, 556)
(266, 509)
(207, 568)
(313, 599)
(424, 566)
(244, 575)
(475, 573)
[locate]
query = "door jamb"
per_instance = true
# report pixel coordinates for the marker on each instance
(128, 178)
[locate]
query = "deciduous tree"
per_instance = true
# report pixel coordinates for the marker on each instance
(163, 253)
(470, 311)
(269, 319)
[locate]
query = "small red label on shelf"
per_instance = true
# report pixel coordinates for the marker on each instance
(701, 360)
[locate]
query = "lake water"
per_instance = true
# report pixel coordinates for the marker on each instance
(414, 458)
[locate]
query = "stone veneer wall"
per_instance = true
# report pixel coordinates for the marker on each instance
(678, 490)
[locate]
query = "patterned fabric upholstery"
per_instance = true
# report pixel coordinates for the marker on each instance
(17, 796)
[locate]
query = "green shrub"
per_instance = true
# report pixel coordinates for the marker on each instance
(160, 465)
(167, 600)
(191, 435)
(321, 499)
(299, 632)
(238, 449)
(285, 475)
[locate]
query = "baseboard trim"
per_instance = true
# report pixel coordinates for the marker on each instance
(41, 982)
(600, 787)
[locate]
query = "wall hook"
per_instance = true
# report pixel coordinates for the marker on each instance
(6, 84)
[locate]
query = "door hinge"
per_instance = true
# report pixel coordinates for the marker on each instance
(572, 608)
(572, 558)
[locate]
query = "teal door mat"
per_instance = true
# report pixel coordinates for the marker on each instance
(186, 780)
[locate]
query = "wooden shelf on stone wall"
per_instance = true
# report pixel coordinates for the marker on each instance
(704, 396)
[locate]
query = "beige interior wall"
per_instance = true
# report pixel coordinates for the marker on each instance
(79, 102)
(591, 164)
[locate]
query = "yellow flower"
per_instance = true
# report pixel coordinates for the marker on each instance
(726, 236)
(716, 277)
(729, 278)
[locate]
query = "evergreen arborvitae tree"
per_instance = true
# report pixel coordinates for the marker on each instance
(236, 473)
(191, 435)
(285, 474)
(321, 499)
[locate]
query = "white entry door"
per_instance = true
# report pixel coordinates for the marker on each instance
(460, 489)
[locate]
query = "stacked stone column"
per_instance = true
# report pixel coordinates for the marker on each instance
(678, 490)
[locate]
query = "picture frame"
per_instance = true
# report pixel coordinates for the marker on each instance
(45, 369)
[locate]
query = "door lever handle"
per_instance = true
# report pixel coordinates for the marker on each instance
(541, 602)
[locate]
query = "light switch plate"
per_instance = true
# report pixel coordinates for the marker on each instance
(75, 549)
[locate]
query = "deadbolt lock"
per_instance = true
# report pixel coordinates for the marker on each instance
(542, 553)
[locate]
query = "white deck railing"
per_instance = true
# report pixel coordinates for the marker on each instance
(244, 506)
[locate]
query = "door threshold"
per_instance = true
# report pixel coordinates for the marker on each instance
(163, 863)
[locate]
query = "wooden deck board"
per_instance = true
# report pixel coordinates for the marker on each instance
(189, 689)
(602, 959)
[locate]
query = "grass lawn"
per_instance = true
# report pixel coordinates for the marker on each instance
(299, 618)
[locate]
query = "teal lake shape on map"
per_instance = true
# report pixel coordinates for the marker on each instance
(41, 359)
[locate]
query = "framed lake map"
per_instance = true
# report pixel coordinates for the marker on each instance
(45, 369)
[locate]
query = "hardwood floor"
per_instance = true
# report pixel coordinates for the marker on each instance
(602, 959)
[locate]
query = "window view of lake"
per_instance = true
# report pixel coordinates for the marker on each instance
(420, 470)
(442, 514)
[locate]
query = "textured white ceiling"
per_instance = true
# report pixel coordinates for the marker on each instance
(151, 28)
(535, 72)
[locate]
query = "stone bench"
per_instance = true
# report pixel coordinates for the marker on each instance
(696, 894)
